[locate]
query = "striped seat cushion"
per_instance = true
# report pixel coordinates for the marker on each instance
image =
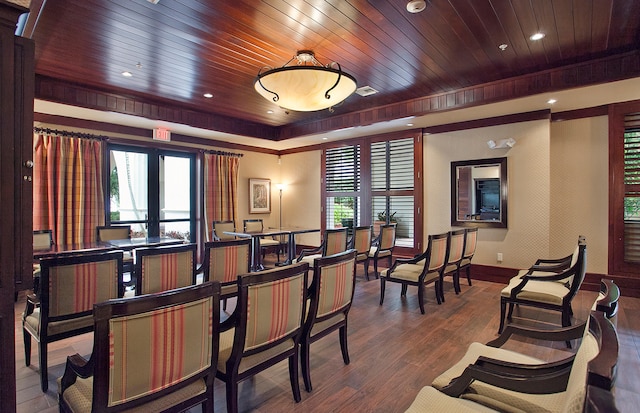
(79, 396)
(247, 362)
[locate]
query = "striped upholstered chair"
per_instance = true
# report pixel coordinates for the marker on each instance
(224, 261)
(69, 287)
(470, 243)
(424, 269)
(165, 268)
(454, 258)
(333, 241)
(265, 327)
(361, 242)
(381, 247)
(155, 353)
(330, 297)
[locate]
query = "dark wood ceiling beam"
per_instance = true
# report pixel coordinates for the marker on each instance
(608, 69)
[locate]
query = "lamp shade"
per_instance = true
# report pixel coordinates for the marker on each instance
(305, 88)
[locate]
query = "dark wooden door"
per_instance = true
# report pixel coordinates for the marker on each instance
(16, 140)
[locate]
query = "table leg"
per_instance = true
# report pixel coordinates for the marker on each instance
(256, 258)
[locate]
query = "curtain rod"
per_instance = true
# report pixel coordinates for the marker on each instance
(212, 152)
(72, 134)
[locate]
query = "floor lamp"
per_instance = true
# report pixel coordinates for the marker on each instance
(280, 188)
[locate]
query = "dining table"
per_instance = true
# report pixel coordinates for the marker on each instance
(256, 258)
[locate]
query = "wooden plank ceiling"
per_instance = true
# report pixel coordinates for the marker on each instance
(177, 50)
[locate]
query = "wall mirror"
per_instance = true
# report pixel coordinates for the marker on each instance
(479, 193)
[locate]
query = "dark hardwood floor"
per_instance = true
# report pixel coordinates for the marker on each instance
(394, 352)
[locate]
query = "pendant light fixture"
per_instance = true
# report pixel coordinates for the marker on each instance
(307, 85)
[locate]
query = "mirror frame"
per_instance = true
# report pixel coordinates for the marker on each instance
(502, 164)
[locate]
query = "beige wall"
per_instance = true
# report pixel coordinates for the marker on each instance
(580, 188)
(528, 171)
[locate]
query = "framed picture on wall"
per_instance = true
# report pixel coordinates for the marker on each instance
(259, 196)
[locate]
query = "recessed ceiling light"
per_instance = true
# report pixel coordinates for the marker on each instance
(409, 124)
(503, 46)
(551, 101)
(269, 111)
(537, 36)
(126, 74)
(208, 95)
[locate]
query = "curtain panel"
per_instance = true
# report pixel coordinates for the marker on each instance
(68, 193)
(220, 189)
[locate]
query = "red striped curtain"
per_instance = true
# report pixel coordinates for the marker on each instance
(68, 193)
(220, 189)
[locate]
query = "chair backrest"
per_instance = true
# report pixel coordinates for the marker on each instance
(42, 239)
(253, 225)
(164, 268)
(219, 228)
(387, 237)
(175, 334)
(471, 240)
(71, 285)
(225, 260)
(437, 249)
(456, 246)
(361, 241)
(332, 288)
(111, 232)
(270, 308)
(595, 361)
(335, 241)
(578, 270)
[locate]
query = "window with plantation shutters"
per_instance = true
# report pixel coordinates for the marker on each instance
(632, 188)
(342, 177)
(392, 185)
(373, 182)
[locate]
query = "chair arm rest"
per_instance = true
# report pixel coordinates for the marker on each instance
(524, 383)
(548, 267)
(76, 367)
(230, 322)
(555, 334)
(399, 261)
(32, 302)
(506, 367)
(310, 251)
(547, 261)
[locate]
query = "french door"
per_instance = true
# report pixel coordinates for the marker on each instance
(153, 191)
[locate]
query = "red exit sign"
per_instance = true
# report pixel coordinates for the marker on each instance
(161, 134)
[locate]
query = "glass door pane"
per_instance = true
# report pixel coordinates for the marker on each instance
(128, 190)
(175, 197)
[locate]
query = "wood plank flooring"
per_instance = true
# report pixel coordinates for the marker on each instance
(394, 352)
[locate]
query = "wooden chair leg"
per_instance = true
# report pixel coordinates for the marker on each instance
(382, 285)
(304, 358)
(42, 356)
(366, 270)
(27, 347)
(503, 310)
(232, 394)
(293, 377)
(456, 281)
(421, 297)
(343, 344)
(469, 275)
(439, 296)
(403, 291)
